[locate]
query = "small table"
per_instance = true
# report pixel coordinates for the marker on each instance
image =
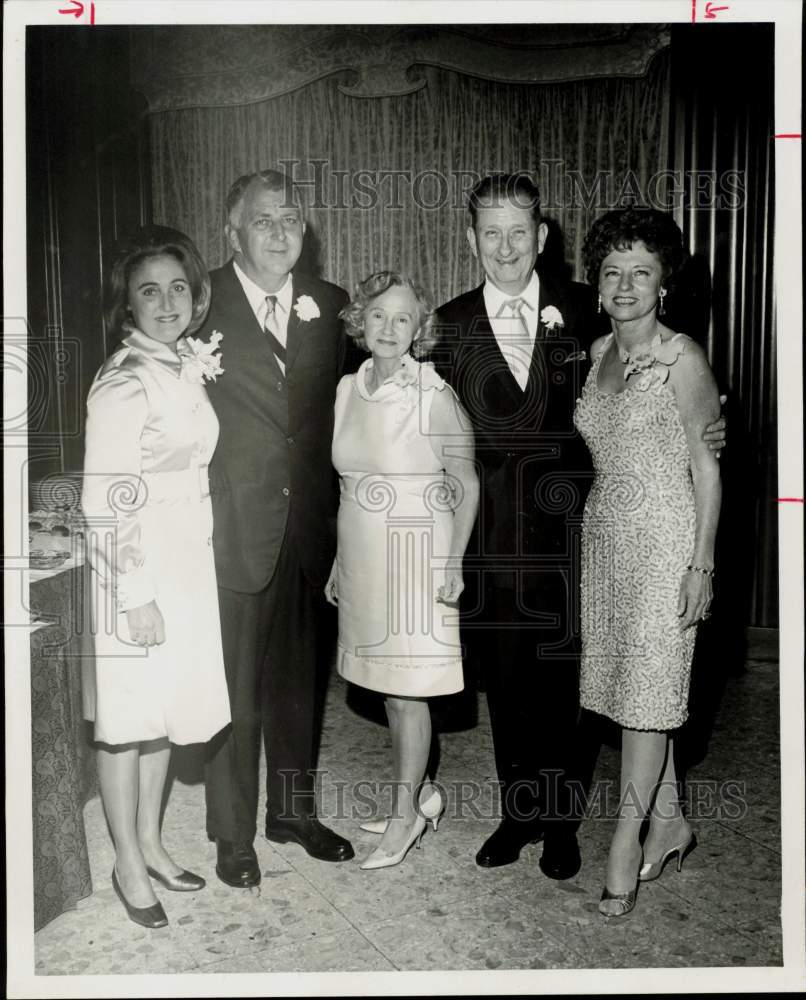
(62, 757)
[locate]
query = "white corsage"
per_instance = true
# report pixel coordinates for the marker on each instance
(306, 308)
(406, 374)
(651, 364)
(551, 317)
(201, 362)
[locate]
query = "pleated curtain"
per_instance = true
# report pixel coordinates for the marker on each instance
(435, 141)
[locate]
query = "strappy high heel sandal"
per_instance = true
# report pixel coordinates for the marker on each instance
(618, 904)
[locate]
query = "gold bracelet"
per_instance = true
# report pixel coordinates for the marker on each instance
(700, 569)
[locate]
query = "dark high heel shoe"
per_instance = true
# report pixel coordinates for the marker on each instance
(146, 916)
(185, 881)
(652, 869)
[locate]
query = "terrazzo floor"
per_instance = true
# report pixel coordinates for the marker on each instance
(438, 910)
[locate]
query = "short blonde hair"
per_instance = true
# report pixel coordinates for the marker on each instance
(373, 286)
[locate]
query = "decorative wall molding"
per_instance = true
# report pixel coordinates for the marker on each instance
(178, 67)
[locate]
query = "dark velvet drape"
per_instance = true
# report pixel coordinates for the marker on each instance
(723, 150)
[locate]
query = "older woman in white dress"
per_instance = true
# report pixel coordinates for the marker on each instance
(158, 674)
(404, 451)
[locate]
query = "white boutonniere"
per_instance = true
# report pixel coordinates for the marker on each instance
(201, 362)
(306, 308)
(551, 317)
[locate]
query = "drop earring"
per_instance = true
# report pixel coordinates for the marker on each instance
(661, 307)
(599, 303)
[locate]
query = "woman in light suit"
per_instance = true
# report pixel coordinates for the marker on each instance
(158, 674)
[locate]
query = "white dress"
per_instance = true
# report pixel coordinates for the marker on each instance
(151, 432)
(394, 533)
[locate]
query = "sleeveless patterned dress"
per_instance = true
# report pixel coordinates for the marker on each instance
(637, 539)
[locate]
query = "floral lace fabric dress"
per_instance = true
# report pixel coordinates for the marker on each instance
(637, 539)
(394, 532)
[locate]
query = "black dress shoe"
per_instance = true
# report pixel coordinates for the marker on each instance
(151, 917)
(308, 832)
(504, 846)
(236, 864)
(560, 858)
(185, 881)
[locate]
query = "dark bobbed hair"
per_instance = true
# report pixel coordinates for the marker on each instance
(271, 180)
(373, 286)
(142, 245)
(619, 229)
(519, 189)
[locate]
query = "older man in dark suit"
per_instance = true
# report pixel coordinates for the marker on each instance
(274, 505)
(513, 350)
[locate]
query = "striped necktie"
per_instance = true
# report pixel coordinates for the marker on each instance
(272, 330)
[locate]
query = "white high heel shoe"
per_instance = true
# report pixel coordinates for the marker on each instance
(651, 870)
(432, 808)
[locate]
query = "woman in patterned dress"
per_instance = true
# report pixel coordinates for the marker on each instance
(648, 534)
(409, 493)
(158, 672)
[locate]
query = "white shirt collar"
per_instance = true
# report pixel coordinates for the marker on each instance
(494, 298)
(257, 296)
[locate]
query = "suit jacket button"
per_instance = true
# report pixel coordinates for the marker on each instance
(290, 440)
(286, 491)
(280, 386)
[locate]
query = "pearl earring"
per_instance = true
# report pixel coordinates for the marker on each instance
(661, 308)
(599, 303)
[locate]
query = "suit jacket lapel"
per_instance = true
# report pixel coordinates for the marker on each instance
(245, 320)
(548, 296)
(297, 329)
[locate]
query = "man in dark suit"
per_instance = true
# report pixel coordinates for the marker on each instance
(513, 351)
(274, 506)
